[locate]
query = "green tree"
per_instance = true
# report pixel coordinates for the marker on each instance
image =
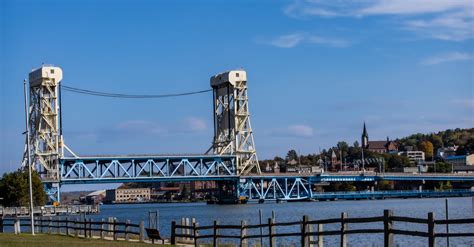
(14, 189)
(396, 161)
(292, 155)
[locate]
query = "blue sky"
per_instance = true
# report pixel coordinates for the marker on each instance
(316, 70)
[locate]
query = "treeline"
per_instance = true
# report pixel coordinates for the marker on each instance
(14, 189)
(428, 143)
(464, 138)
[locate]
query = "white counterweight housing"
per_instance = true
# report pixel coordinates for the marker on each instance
(232, 77)
(232, 130)
(36, 76)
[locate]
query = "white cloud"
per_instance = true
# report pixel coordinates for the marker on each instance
(447, 57)
(294, 130)
(468, 103)
(195, 124)
(287, 41)
(294, 39)
(439, 19)
(300, 130)
(141, 126)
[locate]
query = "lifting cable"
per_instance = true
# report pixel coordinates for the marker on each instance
(129, 96)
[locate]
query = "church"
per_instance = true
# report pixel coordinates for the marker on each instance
(377, 146)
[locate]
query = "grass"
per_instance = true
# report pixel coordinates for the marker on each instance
(39, 240)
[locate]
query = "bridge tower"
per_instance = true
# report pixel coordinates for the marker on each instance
(46, 141)
(232, 129)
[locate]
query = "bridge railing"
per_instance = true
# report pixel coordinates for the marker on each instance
(312, 231)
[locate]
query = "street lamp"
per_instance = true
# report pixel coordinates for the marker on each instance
(27, 132)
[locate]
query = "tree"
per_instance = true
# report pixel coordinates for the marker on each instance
(397, 161)
(292, 155)
(356, 144)
(14, 189)
(427, 147)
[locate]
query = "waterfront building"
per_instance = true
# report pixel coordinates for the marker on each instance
(128, 195)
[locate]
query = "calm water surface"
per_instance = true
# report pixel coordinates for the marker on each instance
(233, 214)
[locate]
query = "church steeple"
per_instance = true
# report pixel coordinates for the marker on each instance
(365, 138)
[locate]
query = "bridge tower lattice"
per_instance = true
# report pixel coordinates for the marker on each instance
(46, 139)
(232, 129)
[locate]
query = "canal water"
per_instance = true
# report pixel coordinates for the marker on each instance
(459, 208)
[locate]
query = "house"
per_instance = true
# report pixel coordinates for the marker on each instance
(446, 152)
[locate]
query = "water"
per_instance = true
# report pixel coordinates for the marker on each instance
(233, 214)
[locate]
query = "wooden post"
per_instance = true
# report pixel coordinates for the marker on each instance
(271, 231)
(142, 231)
(109, 226)
(304, 239)
(183, 231)
(447, 218)
(243, 234)
(216, 232)
(49, 224)
(102, 226)
(387, 228)
(195, 233)
(1, 223)
(84, 227)
(310, 237)
(431, 230)
(173, 233)
(343, 230)
(40, 222)
(58, 225)
(67, 226)
(90, 228)
(187, 231)
(16, 226)
(320, 237)
(127, 228)
(114, 229)
(76, 227)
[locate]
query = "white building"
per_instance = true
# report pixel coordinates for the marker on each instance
(413, 156)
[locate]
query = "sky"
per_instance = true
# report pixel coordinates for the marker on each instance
(316, 70)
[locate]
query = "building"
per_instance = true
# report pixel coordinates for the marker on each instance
(460, 160)
(378, 146)
(415, 157)
(128, 195)
(446, 152)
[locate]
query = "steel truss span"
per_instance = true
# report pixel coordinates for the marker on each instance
(275, 188)
(142, 169)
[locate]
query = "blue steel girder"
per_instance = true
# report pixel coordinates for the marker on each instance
(275, 188)
(143, 169)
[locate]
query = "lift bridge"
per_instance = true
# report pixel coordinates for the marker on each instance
(231, 160)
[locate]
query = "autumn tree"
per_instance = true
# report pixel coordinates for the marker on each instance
(427, 147)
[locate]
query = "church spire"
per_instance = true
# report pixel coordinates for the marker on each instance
(365, 138)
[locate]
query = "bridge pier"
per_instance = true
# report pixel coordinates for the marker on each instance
(53, 191)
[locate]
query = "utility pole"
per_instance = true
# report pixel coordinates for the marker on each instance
(29, 158)
(363, 160)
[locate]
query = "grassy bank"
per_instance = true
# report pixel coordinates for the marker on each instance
(40, 240)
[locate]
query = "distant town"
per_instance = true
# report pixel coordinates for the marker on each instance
(449, 151)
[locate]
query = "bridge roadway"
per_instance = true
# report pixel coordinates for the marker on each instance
(139, 168)
(285, 186)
